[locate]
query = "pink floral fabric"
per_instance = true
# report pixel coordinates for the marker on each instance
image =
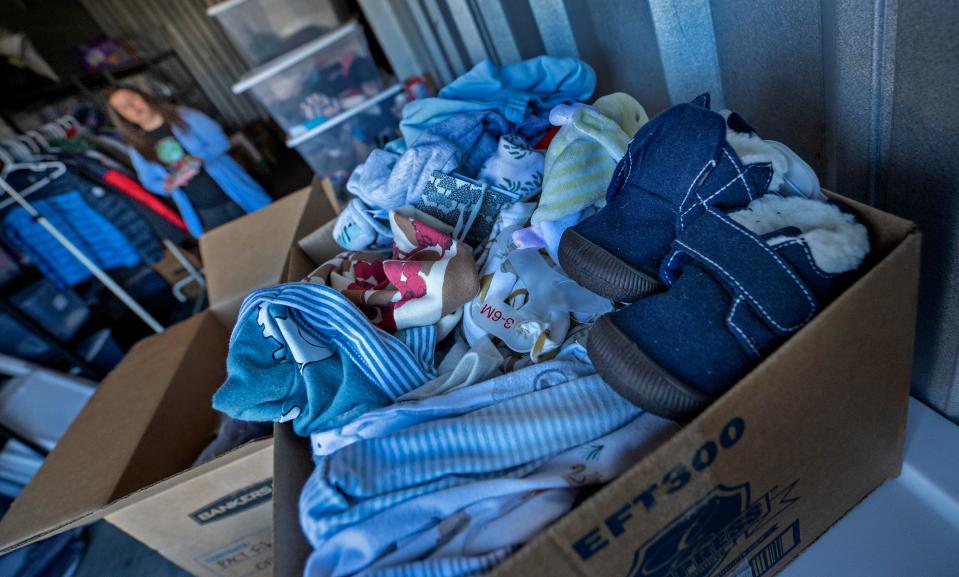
(428, 275)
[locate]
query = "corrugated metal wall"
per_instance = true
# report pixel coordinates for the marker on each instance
(864, 90)
(197, 38)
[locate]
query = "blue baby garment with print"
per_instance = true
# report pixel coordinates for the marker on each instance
(303, 352)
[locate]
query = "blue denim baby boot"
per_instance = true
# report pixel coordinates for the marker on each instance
(740, 285)
(676, 164)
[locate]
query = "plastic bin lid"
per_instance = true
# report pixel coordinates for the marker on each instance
(223, 6)
(344, 116)
(281, 63)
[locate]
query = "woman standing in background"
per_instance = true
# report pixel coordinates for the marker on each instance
(182, 153)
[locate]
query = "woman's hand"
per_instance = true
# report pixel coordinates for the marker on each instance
(169, 183)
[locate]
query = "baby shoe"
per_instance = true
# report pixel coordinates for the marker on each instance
(677, 164)
(740, 285)
(792, 176)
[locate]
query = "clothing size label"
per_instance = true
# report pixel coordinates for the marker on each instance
(496, 315)
(504, 322)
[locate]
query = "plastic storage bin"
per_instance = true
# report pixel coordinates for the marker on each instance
(264, 29)
(40, 405)
(317, 81)
(60, 311)
(336, 147)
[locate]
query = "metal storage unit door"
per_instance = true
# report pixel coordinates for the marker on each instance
(865, 91)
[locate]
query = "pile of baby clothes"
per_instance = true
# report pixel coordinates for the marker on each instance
(440, 364)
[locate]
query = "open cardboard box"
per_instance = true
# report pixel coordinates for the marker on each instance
(753, 480)
(740, 491)
(128, 455)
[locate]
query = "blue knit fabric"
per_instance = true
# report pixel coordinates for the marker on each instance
(514, 90)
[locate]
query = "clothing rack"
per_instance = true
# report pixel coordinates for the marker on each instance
(58, 170)
(33, 145)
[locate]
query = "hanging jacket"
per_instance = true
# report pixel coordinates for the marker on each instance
(204, 139)
(132, 188)
(94, 235)
(110, 205)
(158, 212)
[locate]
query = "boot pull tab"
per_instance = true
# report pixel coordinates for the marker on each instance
(703, 100)
(749, 268)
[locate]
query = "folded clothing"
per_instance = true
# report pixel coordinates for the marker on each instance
(516, 91)
(467, 208)
(462, 142)
(358, 228)
(515, 167)
(407, 412)
(491, 445)
(429, 275)
(480, 523)
(305, 353)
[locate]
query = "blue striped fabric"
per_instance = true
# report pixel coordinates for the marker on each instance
(510, 438)
(444, 567)
(305, 353)
(404, 414)
(395, 366)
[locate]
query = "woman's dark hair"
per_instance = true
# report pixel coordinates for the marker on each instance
(131, 133)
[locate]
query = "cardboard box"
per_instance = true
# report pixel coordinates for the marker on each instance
(754, 479)
(741, 490)
(127, 456)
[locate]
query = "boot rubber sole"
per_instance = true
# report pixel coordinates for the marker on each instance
(596, 269)
(639, 379)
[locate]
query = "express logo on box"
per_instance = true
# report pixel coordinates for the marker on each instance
(695, 543)
(236, 502)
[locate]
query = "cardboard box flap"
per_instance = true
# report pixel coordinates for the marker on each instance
(296, 462)
(252, 252)
(82, 473)
(311, 251)
(319, 245)
(886, 231)
(238, 454)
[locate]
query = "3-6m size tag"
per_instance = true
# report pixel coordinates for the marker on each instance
(504, 322)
